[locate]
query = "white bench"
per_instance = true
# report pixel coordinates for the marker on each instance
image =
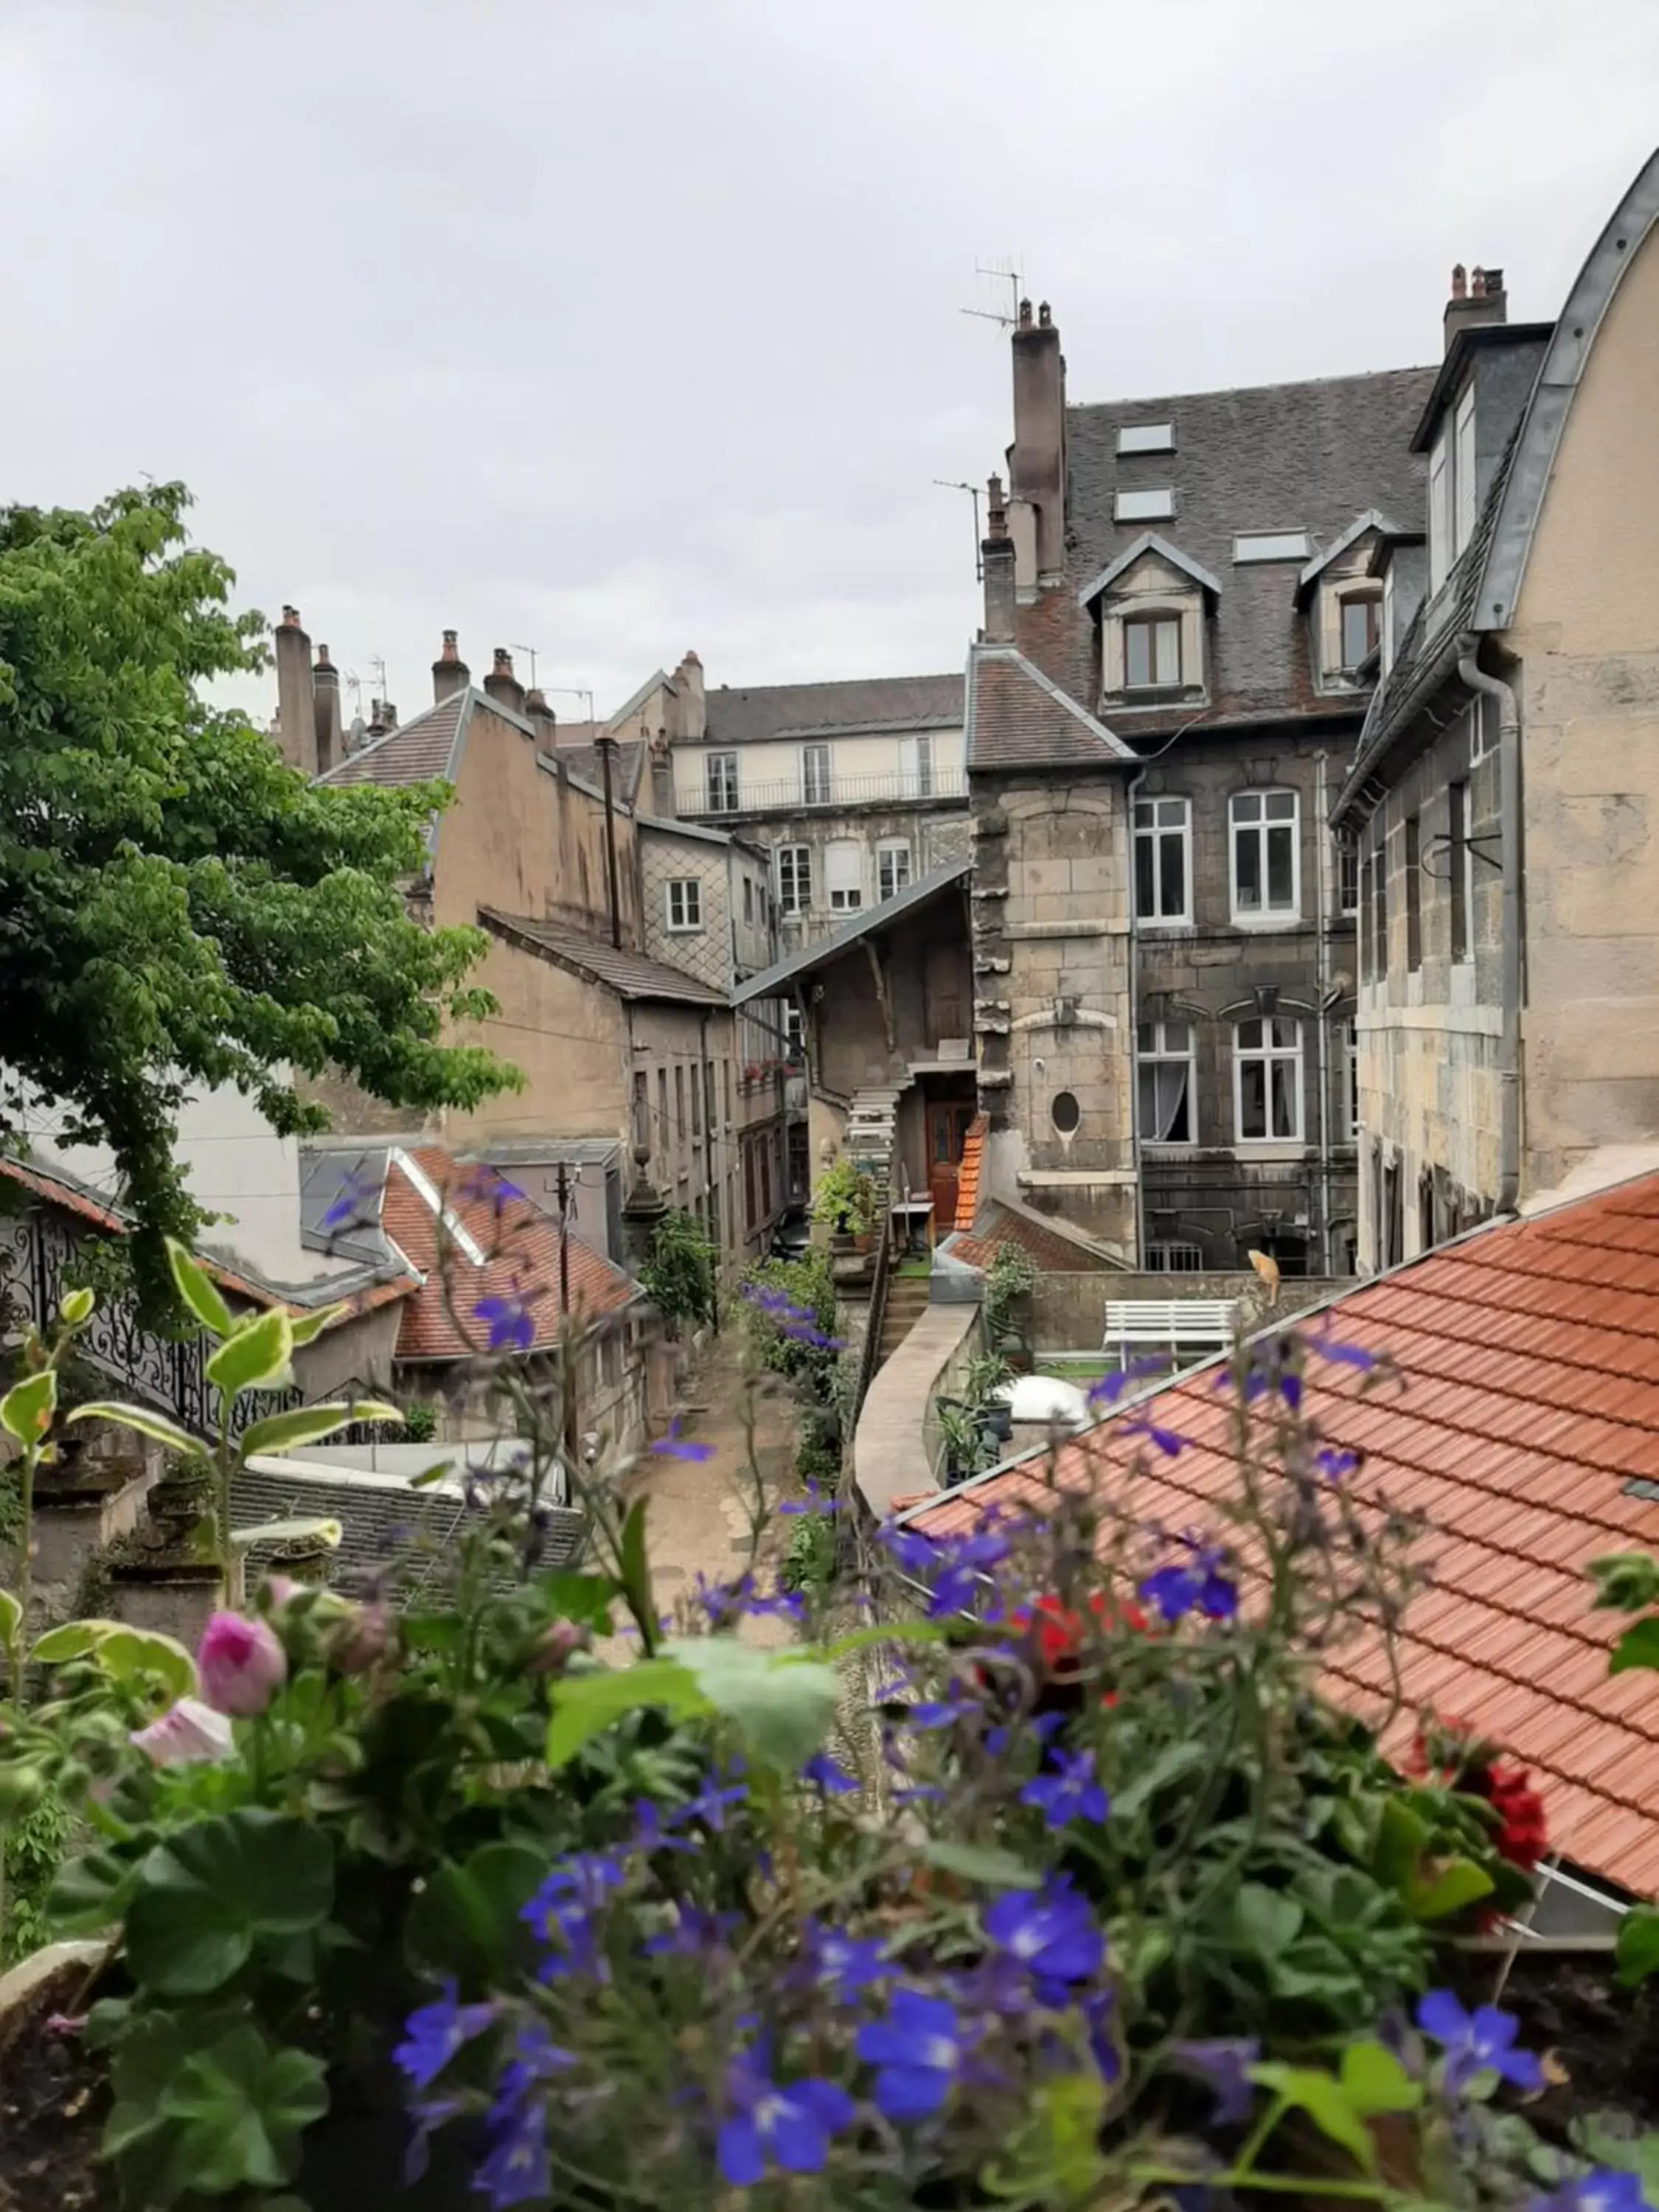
(1164, 1324)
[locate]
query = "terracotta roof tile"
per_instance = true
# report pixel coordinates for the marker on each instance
(973, 1154)
(1530, 1396)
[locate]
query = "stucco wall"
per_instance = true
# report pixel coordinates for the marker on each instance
(1068, 1312)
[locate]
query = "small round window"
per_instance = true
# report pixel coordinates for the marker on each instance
(1064, 1112)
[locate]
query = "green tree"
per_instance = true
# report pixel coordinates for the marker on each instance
(178, 907)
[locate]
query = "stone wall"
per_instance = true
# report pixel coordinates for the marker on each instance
(1068, 1312)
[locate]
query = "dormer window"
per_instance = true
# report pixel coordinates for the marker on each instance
(1152, 651)
(1452, 492)
(1151, 603)
(1359, 612)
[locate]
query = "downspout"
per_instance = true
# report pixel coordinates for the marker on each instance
(1321, 993)
(1131, 794)
(1509, 769)
(604, 747)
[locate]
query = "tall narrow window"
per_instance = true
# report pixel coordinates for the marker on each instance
(1360, 615)
(815, 775)
(1368, 919)
(1349, 1120)
(893, 867)
(916, 766)
(663, 1130)
(1380, 955)
(722, 774)
(794, 878)
(748, 899)
(1458, 857)
(1463, 497)
(1164, 1057)
(696, 1105)
(1413, 892)
(794, 1034)
(1265, 870)
(708, 1100)
(1268, 1080)
(1151, 652)
(843, 875)
(684, 900)
(1347, 873)
(679, 1102)
(1440, 517)
(1162, 829)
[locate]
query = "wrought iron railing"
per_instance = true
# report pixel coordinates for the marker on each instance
(792, 794)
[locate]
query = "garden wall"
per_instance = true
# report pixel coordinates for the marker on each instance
(1068, 1311)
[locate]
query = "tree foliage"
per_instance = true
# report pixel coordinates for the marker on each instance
(178, 907)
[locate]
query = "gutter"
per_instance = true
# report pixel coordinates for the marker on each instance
(1321, 996)
(1133, 792)
(1509, 769)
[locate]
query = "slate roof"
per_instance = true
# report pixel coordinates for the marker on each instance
(417, 751)
(1530, 1409)
(626, 765)
(739, 717)
(629, 974)
(1019, 718)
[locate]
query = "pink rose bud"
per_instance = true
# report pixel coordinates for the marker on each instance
(241, 1663)
(189, 1730)
(361, 1640)
(556, 1645)
(278, 1589)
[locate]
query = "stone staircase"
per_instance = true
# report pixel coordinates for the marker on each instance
(906, 1302)
(870, 1129)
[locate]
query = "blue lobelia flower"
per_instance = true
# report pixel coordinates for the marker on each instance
(827, 1774)
(918, 2051)
(1334, 1464)
(436, 2033)
(785, 2124)
(814, 1501)
(1474, 2042)
(940, 1712)
(561, 1912)
(514, 2169)
(509, 1320)
(1051, 1931)
(1069, 1791)
(675, 1446)
(1223, 2065)
(536, 2059)
(1166, 1440)
(1344, 1355)
(1199, 1585)
(843, 1964)
(650, 1831)
(1604, 2189)
(692, 1936)
(356, 1200)
(710, 1803)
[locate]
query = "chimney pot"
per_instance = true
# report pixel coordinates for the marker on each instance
(450, 673)
(290, 618)
(1477, 283)
(1459, 281)
(1477, 299)
(1045, 320)
(502, 685)
(1026, 314)
(325, 696)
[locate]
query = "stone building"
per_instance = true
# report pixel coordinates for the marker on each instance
(1163, 702)
(1505, 794)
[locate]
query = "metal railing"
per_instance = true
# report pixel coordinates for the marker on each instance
(798, 795)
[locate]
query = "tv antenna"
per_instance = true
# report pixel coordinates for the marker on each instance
(950, 484)
(1004, 271)
(529, 650)
(569, 692)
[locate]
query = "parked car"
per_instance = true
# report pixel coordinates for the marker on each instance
(791, 1234)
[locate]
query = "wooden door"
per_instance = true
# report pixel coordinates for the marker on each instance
(947, 1132)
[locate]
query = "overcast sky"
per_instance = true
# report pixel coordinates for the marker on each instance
(611, 327)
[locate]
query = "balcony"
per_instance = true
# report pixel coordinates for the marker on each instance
(823, 794)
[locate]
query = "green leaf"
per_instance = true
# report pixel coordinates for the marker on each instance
(284, 1532)
(1374, 2081)
(25, 1409)
(634, 1567)
(256, 1357)
(892, 1632)
(127, 1653)
(90, 1893)
(1173, 1765)
(1325, 2102)
(585, 1705)
(309, 1424)
(1625, 1580)
(1401, 1839)
(11, 1620)
(1268, 1919)
(465, 1922)
(1637, 1952)
(1637, 1647)
(308, 1327)
(197, 1289)
(76, 1307)
(1458, 1883)
(781, 1702)
(585, 1599)
(204, 1896)
(981, 1863)
(147, 1424)
(241, 2109)
(72, 1640)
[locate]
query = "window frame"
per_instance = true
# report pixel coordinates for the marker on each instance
(749, 898)
(1143, 503)
(1459, 873)
(1348, 889)
(692, 923)
(720, 782)
(1350, 1079)
(1154, 833)
(1271, 1054)
(818, 781)
(1253, 548)
(1413, 888)
(1380, 957)
(849, 898)
(890, 849)
(798, 899)
(1160, 1054)
(1153, 620)
(1440, 513)
(1264, 916)
(1369, 598)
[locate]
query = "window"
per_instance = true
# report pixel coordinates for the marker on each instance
(843, 876)
(761, 900)
(1439, 514)
(708, 1101)
(794, 878)
(1413, 892)
(1387, 618)
(1163, 1073)
(1175, 1259)
(815, 775)
(1268, 1080)
(726, 1090)
(722, 773)
(1265, 870)
(662, 1109)
(1463, 465)
(1349, 1119)
(892, 868)
(1163, 842)
(748, 900)
(684, 902)
(679, 1102)
(1152, 651)
(1347, 873)
(1380, 916)
(1064, 1112)
(1144, 506)
(696, 1103)
(1479, 729)
(1460, 859)
(916, 766)
(1146, 438)
(1359, 618)
(1367, 918)
(794, 1034)
(1271, 545)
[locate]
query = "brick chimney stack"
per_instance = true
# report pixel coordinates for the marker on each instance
(1038, 463)
(325, 692)
(502, 685)
(1477, 296)
(997, 559)
(692, 721)
(449, 671)
(382, 719)
(296, 712)
(543, 720)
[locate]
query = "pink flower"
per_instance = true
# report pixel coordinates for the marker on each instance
(360, 1640)
(241, 1663)
(278, 1589)
(189, 1730)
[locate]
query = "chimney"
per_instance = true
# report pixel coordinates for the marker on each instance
(543, 720)
(325, 692)
(997, 559)
(1038, 463)
(382, 719)
(502, 685)
(662, 777)
(296, 714)
(1476, 298)
(694, 710)
(449, 671)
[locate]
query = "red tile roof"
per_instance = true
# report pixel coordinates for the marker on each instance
(1530, 1357)
(520, 1249)
(1054, 1252)
(972, 1156)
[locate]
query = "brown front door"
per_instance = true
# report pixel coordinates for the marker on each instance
(947, 1131)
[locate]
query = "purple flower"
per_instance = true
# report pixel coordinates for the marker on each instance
(1603, 2190)
(1334, 1465)
(694, 1934)
(536, 2057)
(514, 2169)
(963, 1571)
(710, 1802)
(1344, 1355)
(561, 1913)
(1069, 1791)
(814, 1501)
(785, 2124)
(1175, 1589)
(436, 2033)
(356, 1200)
(843, 1964)
(1111, 1386)
(1051, 1931)
(1166, 1439)
(650, 1834)
(1290, 1389)
(1097, 2012)
(675, 1446)
(509, 1320)
(824, 1773)
(1223, 2065)
(940, 1712)
(918, 2051)
(1476, 2042)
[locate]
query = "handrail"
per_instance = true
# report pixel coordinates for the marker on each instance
(871, 1352)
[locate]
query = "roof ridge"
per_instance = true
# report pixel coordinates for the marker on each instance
(1229, 391)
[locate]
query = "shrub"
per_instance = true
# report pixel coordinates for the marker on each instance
(844, 1198)
(680, 1276)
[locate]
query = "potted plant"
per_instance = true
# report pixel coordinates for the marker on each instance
(844, 1201)
(987, 1373)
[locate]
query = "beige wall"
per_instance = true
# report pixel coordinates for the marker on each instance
(567, 1038)
(770, 763)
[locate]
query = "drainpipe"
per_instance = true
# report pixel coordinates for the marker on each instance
(1322, 972)
(604, 747)
(1132, 793)
(1509, 769)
